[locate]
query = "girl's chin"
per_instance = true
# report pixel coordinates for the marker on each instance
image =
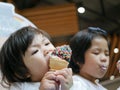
(101, 76)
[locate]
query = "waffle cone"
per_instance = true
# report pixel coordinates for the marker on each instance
(57, 63)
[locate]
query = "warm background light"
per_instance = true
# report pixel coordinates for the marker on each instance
(116, 50)
(81, 10)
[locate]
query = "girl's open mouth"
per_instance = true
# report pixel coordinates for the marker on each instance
(103, 67)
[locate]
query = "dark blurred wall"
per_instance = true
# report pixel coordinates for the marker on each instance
(22, 4)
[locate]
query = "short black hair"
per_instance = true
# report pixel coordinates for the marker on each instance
(81, 42)
(12, 52)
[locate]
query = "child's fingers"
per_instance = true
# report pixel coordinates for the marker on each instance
(69, 71)
(64, 75)
(65, 72)
(49, 81)
(65, 78)
(50, 75)
(61, 79)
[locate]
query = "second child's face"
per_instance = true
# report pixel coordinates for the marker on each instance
(96, 59)
(37, 56)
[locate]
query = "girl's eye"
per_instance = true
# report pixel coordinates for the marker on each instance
(34, 52)
(107, 54)
(96, 53)
(47, 43)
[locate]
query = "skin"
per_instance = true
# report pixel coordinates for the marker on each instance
(37, 56)
(96, 60)
(63, 77)
(36, 60)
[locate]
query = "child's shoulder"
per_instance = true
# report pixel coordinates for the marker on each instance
(79, 78)
(81, 83)
(25, 86)
(78, 83)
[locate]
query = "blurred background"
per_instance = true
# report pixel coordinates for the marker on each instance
(102, 13)
(63, 18)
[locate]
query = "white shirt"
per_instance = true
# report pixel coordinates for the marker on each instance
(25, 86)
(80, 83)
(118, 88)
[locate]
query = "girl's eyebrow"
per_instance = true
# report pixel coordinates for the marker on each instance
(34, 45)
(43, 39)
(98, 49)
(37, 45)
(95, 48)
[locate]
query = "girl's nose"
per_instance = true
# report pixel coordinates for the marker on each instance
(103, 58)
(45, 52)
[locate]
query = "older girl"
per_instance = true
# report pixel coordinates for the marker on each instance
(90, 58)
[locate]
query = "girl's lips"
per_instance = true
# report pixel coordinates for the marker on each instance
(103, 67)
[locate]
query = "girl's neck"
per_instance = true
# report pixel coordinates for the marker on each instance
(88, 77)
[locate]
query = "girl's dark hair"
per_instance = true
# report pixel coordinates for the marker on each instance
(82, 42)
(12, 52)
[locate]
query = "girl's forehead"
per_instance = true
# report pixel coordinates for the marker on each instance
(38, 39)
(98, 39)
(99, 42)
